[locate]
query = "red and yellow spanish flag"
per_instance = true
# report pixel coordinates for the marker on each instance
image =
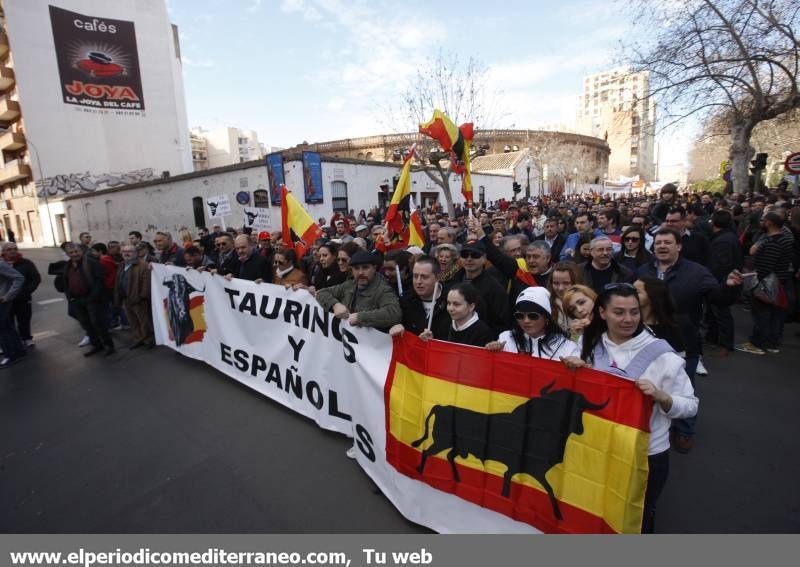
(299, 229)
(416, 236)
(573, 444)
(457, 141)
(394, 219)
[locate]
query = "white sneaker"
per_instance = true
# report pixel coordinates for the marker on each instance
(85, 341)
(351, 453)
(701, 370)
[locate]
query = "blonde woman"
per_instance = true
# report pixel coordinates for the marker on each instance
(578, 301)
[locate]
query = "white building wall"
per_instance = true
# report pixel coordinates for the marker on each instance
(74, 140)
(110, 215)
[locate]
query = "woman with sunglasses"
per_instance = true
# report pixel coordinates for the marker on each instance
(466, 327)
(285, 270)
(618, 342)
(535, 332)
(346, 252)
(633, 253)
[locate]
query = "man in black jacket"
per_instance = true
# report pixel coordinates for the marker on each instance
(689, 283)
(88, 298)
(494, 299)
(602, 269)
(554, 238)
(224, 256)
(424, 306)
(21, 309)
(694, 245)
(252, 265)
(726, 256)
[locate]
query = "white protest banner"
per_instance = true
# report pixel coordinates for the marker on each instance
(257, 218)
(460, 439)
(218, 206)
(277, 341)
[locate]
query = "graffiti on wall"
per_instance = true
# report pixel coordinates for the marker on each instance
(90, 182)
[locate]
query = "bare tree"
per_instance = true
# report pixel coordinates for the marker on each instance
(736, 59)
(456, 87)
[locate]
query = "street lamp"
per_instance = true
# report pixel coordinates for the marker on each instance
(575, 182)
(528, 183)
(44, 191)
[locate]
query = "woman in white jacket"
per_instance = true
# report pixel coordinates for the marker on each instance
(535, 332)
(617, 341)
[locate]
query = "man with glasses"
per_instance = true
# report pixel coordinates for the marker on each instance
(493, 307)
(602, 269)
(224, 257)
(694, 246)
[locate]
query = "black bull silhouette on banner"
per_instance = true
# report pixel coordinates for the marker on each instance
(180, 320)
(251, 217)
(531, 439)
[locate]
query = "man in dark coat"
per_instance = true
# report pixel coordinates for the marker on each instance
(689, 283)
(21, 309)
(726, 256)
(602, 269)
(224, 257)
(88, 298)
(493, 306)
(167, 252)
(425, 304)
(554, 238)
(252, 265)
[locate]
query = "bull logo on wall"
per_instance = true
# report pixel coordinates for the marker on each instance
(531, 439)
(185, 314)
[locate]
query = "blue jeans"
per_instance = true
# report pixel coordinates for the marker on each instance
(686, 426)
(9, 339)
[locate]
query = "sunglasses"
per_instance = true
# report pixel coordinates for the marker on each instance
(631, 239)
(533, 316)
(474, 255)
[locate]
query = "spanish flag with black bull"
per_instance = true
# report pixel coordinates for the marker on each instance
(563, 451)
(299, 229)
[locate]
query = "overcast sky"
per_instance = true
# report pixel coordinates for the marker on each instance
(317, 70)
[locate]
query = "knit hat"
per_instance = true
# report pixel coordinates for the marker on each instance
(533, 297)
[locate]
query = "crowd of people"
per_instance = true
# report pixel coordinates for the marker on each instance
(635, 285)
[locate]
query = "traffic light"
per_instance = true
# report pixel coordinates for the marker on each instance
(516, 187)
(759, 164)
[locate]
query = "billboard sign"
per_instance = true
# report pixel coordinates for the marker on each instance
(275, 177)
(312, 177)
(98, 62)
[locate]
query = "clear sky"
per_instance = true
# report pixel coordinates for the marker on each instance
(317, 70)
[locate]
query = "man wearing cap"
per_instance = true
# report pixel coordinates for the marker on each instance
(265, 246)
(364, 301)
(341, 232)
(493, 307)
(362, 231)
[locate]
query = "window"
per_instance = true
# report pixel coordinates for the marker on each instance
(108, 214)
(339, 196)
(199, 212)
(481, 193)
(261, 198)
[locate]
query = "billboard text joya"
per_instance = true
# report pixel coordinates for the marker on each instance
(98, 61)
(453, 435)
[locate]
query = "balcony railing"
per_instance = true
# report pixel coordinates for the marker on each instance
(10, 141)
(14, 171)
(9, 109)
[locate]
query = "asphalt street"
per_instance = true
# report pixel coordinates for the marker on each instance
(152, 442)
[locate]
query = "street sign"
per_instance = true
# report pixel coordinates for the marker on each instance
(792, 163)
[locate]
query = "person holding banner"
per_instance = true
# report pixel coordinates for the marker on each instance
(535, 332)
(251, 266)
(618, 342)
(325, 271)
(424, 305)
(366, 300)
(287, 273)
(466, 326)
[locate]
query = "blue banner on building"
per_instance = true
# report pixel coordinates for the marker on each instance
(312, 177)
(275, 177)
